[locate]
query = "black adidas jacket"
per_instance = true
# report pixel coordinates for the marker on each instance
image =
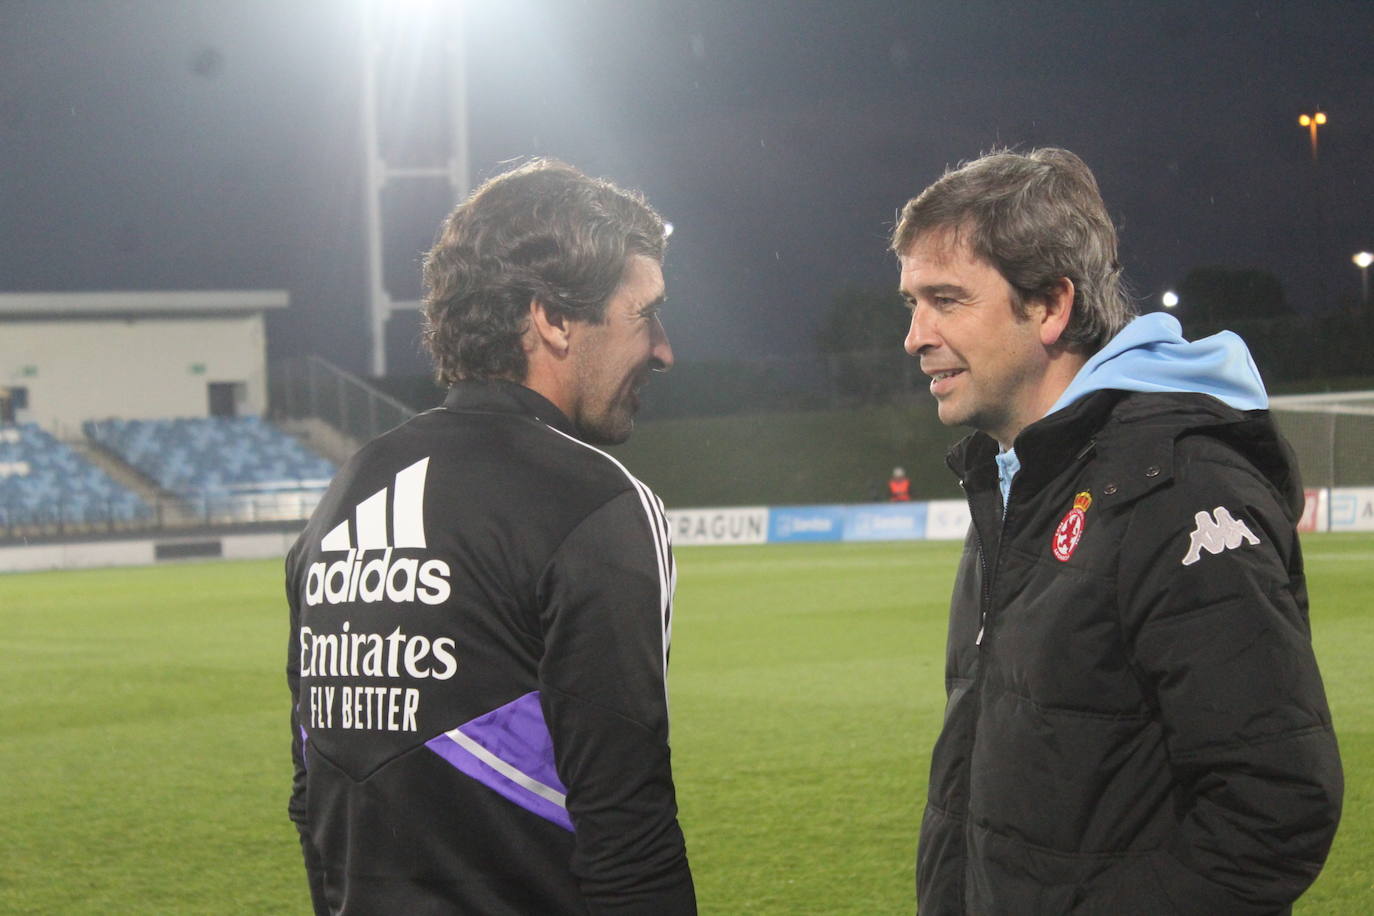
(1135, 721)
(480, 615)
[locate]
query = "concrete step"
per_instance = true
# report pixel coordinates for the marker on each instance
(170, 508)
(319, 436)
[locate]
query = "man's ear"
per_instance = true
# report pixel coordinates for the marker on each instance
(1058, 305)
(549, 328)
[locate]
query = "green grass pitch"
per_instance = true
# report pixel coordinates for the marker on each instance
(143, 736)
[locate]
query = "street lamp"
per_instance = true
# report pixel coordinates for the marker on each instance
(1169, 299)
(1312, 122)
(1362, 260)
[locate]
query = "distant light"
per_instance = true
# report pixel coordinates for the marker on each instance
(1363, 259)
(1170, 299)
(667, 229)
(1312, 122)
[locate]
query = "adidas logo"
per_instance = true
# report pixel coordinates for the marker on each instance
(384, 577)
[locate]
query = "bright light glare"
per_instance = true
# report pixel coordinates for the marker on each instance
(1363, 259)
(410, 7)
(667, 229)
(1170, 299)
(1321, 117)
(1304, 120)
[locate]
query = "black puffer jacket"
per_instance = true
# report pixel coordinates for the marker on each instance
(1140, 726)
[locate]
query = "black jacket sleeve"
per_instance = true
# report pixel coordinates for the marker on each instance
(314, 869)
(1216, 610)
(606, 604)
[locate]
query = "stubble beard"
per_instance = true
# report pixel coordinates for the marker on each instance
(609, 422)
(610, 428)
(981, 418)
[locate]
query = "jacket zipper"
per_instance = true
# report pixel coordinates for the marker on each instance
(985, 603)
(986, 598)
(1001, 539)
(988, 575)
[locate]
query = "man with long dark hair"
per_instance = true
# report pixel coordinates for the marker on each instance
(481, 605)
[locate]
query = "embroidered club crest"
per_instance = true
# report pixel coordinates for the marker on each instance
(1070, 530)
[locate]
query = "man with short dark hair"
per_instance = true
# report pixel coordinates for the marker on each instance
(1135, 721)
(481, 605)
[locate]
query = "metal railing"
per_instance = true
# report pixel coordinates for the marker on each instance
(208, 509)
(304, 387)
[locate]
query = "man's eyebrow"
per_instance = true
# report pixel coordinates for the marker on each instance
(654, 304)
(950, 290)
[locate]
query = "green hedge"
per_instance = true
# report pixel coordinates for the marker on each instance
(837, 455)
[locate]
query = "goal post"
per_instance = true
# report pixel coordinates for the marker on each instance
(1332, 434)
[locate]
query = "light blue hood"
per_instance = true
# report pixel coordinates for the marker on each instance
(1151, 354)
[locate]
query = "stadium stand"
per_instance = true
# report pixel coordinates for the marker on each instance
(200, 456)
(44, 483)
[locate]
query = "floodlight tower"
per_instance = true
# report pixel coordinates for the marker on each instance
(1362, 260)
(413, 22)
(1312, 122)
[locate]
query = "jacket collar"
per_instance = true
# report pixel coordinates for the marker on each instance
(503, 396)
(1044, 447)
(1132, 435)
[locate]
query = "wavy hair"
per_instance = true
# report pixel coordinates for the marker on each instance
(544, 231)
(1036, 217)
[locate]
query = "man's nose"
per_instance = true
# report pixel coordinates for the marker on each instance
(661, 351)
(921, 333)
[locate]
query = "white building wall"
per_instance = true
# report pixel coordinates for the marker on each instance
(135, 368)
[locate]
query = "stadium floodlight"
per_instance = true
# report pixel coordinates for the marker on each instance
(1362, 260)
(1169, 299)
(390, 31)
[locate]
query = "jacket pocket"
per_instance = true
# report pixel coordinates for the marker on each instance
(1011, 877)
(949, 760)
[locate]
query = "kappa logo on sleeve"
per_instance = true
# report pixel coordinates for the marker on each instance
(388, 575)
(1216, 531)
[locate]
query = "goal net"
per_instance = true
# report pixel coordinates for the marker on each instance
(1333, 435)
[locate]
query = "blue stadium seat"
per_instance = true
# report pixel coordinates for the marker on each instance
(200, 457)
(44, 482)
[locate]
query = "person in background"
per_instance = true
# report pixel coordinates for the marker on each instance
(481, 605)
(898, 486)
(1135, 720)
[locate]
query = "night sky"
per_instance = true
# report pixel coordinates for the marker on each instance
(213, 144)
